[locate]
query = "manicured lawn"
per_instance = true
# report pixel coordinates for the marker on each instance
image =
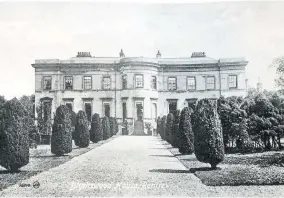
(265, 168)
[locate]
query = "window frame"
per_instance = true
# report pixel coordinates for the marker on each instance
(65, 82)
(50, 82)
(135, 81)
(154, 86)
(214, 87)
(124, 81)
(187, 84)
(106, 103)
(175, 83)
(236, 83)
(103, 85)
(84, 82)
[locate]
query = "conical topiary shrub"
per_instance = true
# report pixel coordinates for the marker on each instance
(81, 130)
(14, 136)
(61, 138)
(175, 130)
(185, 137)
(106, 128)
(96, 133)
(116, 127)
(112, 126)
(208, 144)
(163, 127)
(158, 125)
(73, 123)
(169, 128)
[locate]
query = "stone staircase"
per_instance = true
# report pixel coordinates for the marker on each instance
(139, 128)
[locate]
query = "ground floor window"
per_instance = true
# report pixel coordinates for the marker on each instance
(154, 111)
(88, 111)
(106, 109)
(192, 103)
(172, 105)
(46, 110)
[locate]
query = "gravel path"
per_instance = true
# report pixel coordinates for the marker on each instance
(127, 166)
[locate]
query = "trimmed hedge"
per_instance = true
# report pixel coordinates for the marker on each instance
(61, 138)
(169, 129)
(208, 136)
(106, 128)
(82, 130)
(14, 136)
(185, 137)
(96, 133)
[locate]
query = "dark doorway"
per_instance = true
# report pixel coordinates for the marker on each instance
(139, 108)
(124, 111)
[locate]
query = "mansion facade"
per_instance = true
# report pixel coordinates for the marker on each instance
(135, 88)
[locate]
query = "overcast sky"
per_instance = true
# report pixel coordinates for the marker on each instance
(30, 31)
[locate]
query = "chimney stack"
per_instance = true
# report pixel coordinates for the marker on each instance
(121, 54)
(84, 54)
(158, 55)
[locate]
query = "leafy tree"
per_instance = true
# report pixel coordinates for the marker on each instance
(185, 136)
(14, 136)
(208, 137)
(96, 133)
(61, 139)
(278, 63)
(81, 130)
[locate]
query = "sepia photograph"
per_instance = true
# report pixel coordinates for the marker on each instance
(123, 98)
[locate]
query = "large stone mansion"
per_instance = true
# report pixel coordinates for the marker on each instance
(135, 88)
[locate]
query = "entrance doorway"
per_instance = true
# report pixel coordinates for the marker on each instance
(139, 110)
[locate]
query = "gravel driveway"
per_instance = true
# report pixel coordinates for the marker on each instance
(127, 166)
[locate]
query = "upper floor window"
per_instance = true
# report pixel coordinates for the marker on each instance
(124, 81)
(106, 82)
(210, 82)
(191, 83)
(68, 82)
(87, 82)
(172, 83)
(233, 81)
(47, 83)
(138, 80)
(154, 82)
